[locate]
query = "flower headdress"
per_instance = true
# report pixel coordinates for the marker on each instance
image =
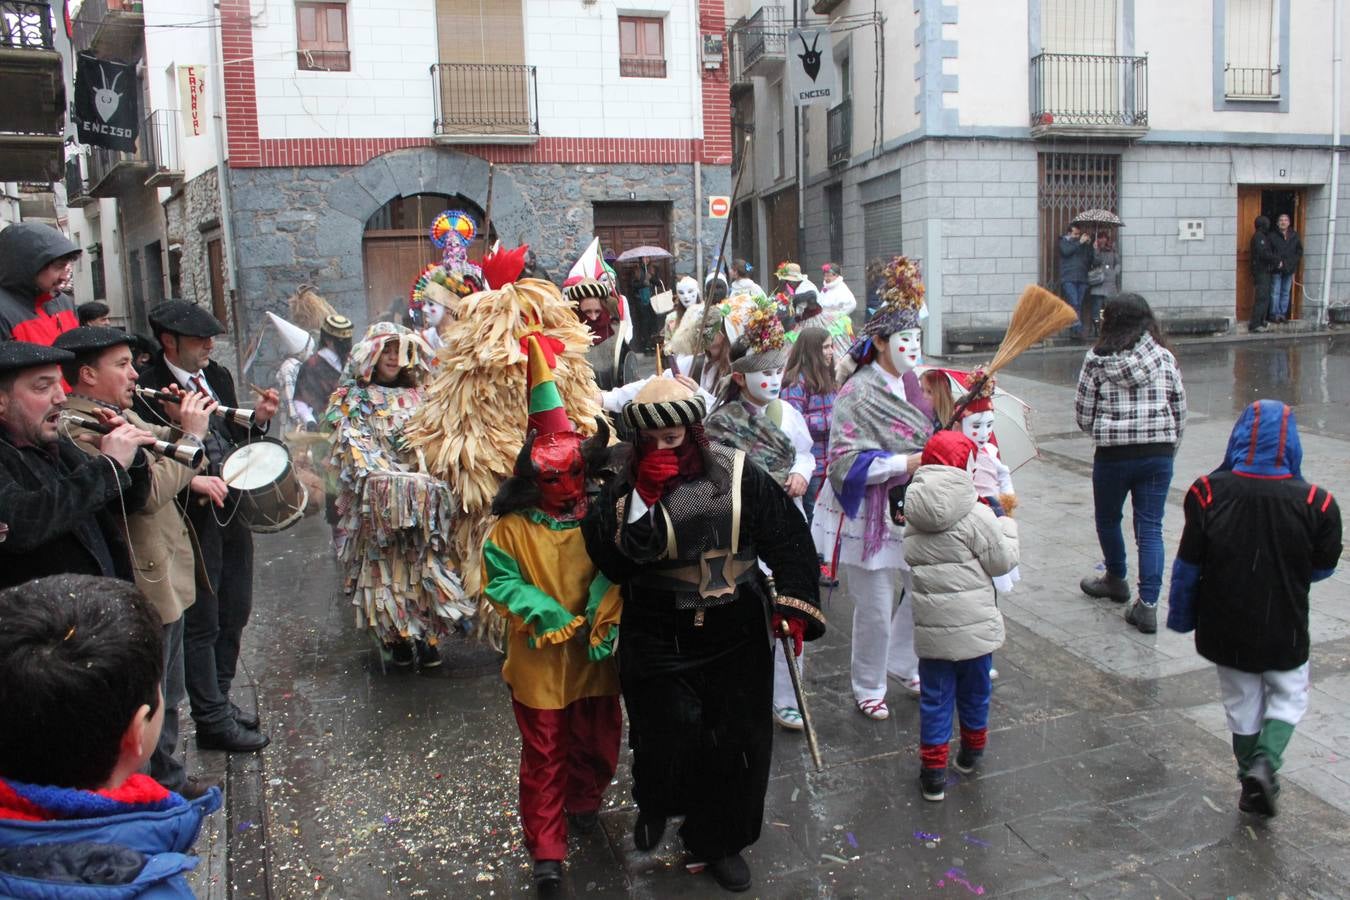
(760, 343)
(902, 295)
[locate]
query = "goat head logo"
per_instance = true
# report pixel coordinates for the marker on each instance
(106, 98)
(810, 56)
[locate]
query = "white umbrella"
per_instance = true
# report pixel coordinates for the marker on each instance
(649, 251)
(1012, 423)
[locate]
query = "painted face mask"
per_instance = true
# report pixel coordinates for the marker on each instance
(687, 291)
(979, 427)
(561, 475)
(764, 387)
(433, 312)
(903, 349)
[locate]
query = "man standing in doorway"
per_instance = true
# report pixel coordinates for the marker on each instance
(1075, 258)
(1264, 261)
(1284, 240)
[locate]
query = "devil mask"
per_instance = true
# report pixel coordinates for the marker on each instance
(560, 472)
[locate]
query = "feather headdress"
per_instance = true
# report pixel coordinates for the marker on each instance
(902, 294)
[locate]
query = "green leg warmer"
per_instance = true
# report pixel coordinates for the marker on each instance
(1244, 746)
(1275, 736)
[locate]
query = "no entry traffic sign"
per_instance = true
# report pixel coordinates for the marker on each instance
(719, 207)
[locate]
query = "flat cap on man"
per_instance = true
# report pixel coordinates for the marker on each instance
(90, 338)
(182, 317)
(15, 356)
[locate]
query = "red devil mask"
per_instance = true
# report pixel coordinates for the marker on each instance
(560, 473)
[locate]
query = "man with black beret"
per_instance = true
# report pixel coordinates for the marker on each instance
(102, 377)
(214, 625)
(64, 509)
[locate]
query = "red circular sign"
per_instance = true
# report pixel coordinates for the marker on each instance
(718, 207)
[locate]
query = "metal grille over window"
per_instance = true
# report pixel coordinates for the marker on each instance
(1250, 70)
(881, 229)
(1070, 183)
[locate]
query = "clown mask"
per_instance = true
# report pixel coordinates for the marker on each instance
(764, 387)
(979, 427)
(903, 349)
(687, 291)
(561, 475)
(432, 313)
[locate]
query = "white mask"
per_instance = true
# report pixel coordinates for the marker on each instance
(433, 313)
(764, 387)
(687, 290)
(979, 427)
(903, 349)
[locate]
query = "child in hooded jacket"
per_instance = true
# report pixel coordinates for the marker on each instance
(955, 546)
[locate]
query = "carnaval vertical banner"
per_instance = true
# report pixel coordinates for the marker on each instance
(192, 99)
(107, 103)
(810, 64)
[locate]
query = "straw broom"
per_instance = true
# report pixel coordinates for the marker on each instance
(1037, 315)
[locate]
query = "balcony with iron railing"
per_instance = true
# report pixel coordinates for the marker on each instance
(1246, 83)
(839, 133)
(111, 29)
(1089, 96)
(77, 188)
(115, 173)
(33, 99)
(159, 148)
(485, 103)
(765, 41)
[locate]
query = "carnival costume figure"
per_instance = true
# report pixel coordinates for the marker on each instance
(321, 373)
(394, 520)
(688, 298)
(562, 620)
(681, 530)
(881, 422)
(836, 306)
(474, 407)
(436, 288)
(993, 479)
(773, 435)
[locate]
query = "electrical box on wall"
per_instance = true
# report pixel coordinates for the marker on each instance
(713, 46)
(1190, 229)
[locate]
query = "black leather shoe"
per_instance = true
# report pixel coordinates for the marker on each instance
(428, 657)
(232, 738)
(547, 875)
(195, 787)
(244, 719)
(731, 873)
(648, 831)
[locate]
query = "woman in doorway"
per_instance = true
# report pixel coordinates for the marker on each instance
(394, 520)
(1103, 280)
(1288, 249)
(1131, 402)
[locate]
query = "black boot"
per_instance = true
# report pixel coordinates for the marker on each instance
(401, 654)
(933, 783)
(1117, 590)
(232, 738)
(547, 876)
(731, 873)
(648, 831)
(1143, 617)
(584, 823)
(967, 759)
(428, 657)
(1259, 788)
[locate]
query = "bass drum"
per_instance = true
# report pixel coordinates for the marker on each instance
(268, 494)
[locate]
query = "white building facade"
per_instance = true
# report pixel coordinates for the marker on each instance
(970, 132)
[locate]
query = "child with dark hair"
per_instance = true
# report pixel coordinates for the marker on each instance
(80, 665)
(95, 312)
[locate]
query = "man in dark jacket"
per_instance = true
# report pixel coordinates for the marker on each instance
(1256, 536)
(1263, 261)
(1075, 258)
(213, 625)
(35, 268)
(1288, 248)
(64, 509)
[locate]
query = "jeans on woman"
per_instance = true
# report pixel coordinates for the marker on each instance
(1145, 480)
(1281, 285)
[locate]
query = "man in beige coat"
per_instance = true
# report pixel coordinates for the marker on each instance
(102, 376)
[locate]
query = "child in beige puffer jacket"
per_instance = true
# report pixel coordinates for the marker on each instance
(955, 546)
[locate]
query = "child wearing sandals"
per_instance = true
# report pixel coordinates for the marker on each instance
(955, 547)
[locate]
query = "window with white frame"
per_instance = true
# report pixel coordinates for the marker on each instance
(1251, 67)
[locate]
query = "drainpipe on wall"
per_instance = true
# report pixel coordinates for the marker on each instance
(1323, 310)
(223, 190)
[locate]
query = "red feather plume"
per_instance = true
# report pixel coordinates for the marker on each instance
(503, 267)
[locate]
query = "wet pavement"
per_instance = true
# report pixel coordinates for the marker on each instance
(1108, 771)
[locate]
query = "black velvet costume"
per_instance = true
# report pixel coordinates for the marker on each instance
(697, 673)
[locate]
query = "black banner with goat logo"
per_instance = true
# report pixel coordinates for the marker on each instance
(107, 103)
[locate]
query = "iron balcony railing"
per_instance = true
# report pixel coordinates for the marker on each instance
(1243, 83)
(1082, 90)
(632, 67)
(765, 35)
(25, 25)
(127, 21)
(485, 100)
(839, 132)
(159, 142)
(77, 189)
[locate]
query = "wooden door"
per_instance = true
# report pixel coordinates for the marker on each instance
(781, 215)
(623, 226)
(1248, 208)
(393, 261)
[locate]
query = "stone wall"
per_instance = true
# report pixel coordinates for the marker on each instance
(984, 193)
(305, 224)
(193, 216)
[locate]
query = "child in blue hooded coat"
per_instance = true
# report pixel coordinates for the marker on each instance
(80, 665)
(1256, 536)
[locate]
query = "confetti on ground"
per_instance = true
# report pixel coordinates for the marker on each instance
(695, 867)
(1211, 804)
(976, 841)
(795, 792)
(927, 836)
(243, 826)
(832, 858)
(852, 841)
(1251, 832)
(958, 876)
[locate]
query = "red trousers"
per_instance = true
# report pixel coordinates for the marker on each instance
(567, 759)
